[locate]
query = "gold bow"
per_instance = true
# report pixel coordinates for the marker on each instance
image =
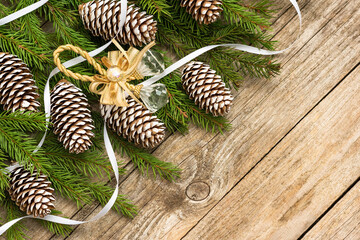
(111, 84)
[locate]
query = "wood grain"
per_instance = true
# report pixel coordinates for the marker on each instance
(265, 112)
(342, 221)
(299, 179)
(224, 172)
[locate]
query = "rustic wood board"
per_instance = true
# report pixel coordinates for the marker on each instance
(264, 114)
(297, 181)
(342, 221)
(224, 172)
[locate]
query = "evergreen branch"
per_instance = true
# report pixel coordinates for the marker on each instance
(91, 163)
(236, 13)
(20, 148)
(257, 66)
(4, 176)
(56, 228)
(16, 231)
(142, 159)
(154, 7)
(24, 121)
(145, 161)
(103, 193)
(70, 184)
(10, 42)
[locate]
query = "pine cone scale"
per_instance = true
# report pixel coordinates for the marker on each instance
(31, 193)
(203, 11)
(206, 88)
(71, 117)
(135, 123)
(102, 18)
(17, 88)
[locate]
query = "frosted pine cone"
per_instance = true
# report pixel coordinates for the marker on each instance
(17, 86)
(203, 11)
(102, 18)
(31, 192)
(207, 89)
(71, 117)
(135, 123)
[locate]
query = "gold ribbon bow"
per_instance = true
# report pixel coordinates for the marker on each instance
(111, 84)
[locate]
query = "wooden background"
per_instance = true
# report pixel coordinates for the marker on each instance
(288, 169)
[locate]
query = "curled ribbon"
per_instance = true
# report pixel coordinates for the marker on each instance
(47, 105)
(111, 84)
(150, 81)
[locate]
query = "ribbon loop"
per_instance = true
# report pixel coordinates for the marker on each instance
(102, 83)
(82, 53)
(111, 84)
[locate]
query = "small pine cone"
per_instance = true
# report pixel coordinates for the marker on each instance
(31, 192)
(203, 11)
(102, 18)
(17, 86)
(207, 89)
(135, 123)
(71, 117)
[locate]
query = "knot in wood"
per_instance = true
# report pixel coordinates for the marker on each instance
(198, 191)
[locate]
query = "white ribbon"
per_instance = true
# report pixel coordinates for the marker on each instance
(22, 12)
(240, 47)
(47, 106)
(109, 149)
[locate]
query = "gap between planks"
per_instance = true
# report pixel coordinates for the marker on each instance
(132, 169)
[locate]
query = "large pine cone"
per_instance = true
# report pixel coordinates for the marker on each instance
(135, 123)
(71, 117)
(102, 18)
(207, 89)
(17, 86)
(203, 11)
(31, 192)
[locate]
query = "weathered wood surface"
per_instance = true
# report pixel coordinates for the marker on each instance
(297, 181)
(342, 221)
(293, 150)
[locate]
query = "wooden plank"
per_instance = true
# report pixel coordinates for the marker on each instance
(297, 181)
(265, 112)
(342, 221)
(70, 210)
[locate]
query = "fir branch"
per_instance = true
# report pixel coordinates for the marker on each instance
(56, 228)
(20, 147)
(154, 7)
(91, 163)
(146, 162)
(11, 41)
(64, 20)
(16, 231)
(4, 175)
(142, 159)
(257, 66)
(24, 121)
(103, 193)
(239, 14)
(70, 184)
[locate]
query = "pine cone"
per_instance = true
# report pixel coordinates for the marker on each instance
(31, 192)
(102, 18)
(134, 123)
(203, 11)
(71, 117)
(17, 88)
(202, 84)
